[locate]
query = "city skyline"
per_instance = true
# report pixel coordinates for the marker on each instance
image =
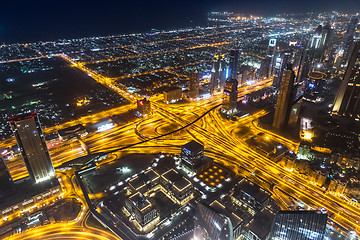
(245, 127)
(111, 19)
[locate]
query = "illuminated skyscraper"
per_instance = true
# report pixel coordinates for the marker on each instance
(217, 74)
(194, 85)
(299, 225)
(316, 42)
(279, 65)
(230, 91)
(30, 139)
(271, 47)
(285, 100)
(304, 66)
(233, 64)
(347, 101)
(6, 182)
(215, 225)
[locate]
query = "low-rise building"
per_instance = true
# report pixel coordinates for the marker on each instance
(145, 181)
(72, 132)
(29, 197)
(177, 187)
(173, 95)
(144, 213)
(250, 196)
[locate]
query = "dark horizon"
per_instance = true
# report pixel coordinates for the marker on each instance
(27, 22)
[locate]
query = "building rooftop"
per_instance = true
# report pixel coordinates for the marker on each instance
(178, 180)
(252, 189)
(193, 146)
(214, 175)
(71, 130)
(143, 178)
(22, 116)
(140, 202)
(261, 224)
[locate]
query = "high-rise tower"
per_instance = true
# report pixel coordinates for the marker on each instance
(194, 85)
(285, 99)
(233, 63)
(347, 101)
(230, 91)
(349, 38)
(30, 139)
(217, 74)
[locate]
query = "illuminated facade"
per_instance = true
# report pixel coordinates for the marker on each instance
(176, 186)
(217, 74)
(215, 225)
(231, 92)
(250, 196)
(320, 42)
(285, 100)
(279, 66)
(25, 201)
(299, 225)
(313, 86)
(192, 155)
(145, 181)
(29, 137)
(142, 210)
(347, 99)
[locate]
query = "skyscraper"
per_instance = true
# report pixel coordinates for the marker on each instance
(233, 64)
(230, 91)
(347, 101)
(264, 67)
(30, 139)
(6, 182)
(285, 99)
(270, 53)
(279, 65)
(194, 85)
(217, 75)
(348, 44)
(299, 225)
(304, 66)
(319, 41)
(271, 47)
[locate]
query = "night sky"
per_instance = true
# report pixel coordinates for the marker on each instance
(30, 21)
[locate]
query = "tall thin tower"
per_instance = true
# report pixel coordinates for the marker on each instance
(347, 101)
(194, 85)
(233, 63)
(30, 139)
(284, 100)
